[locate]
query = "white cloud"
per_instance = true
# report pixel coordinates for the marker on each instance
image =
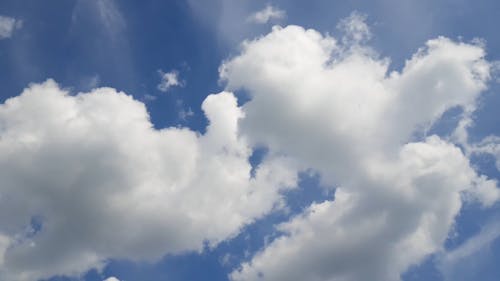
(334, 108)
(377, 226)
(485, 190)
(168, 80)
(355, 28)
(8, 25)
(489, 145)
(112, 279)
(105, 184)
(267, 14)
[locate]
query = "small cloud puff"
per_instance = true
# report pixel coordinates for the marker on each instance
(169, 80)
(8, 25)
(267, 14)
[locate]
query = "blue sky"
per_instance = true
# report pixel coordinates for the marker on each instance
(352, 143)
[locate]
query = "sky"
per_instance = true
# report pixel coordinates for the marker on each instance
(245, 140)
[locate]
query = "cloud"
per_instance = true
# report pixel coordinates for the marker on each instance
(333, 107)
(168, 80)
(355, 28)
(8, 25)
(183, 113)
(112, 279)
(267, 14)
(101, 22)
(86, 178)
(464, 262)
(110, 16)
(112, 22)
(489, 145)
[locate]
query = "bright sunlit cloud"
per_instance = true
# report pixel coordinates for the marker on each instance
(98, 171)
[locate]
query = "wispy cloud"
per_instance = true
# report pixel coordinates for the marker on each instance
(456, 264)
(355, 28)
(183, 112)
(106, 12)
(267, 14)
(111, 17)
(368, 232)
(8, 25)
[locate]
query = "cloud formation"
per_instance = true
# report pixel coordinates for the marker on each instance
(168, 80)
(355, 29)
(333, 107)
(267, 14)
(86, 178)
(466, 261)
(8, 25)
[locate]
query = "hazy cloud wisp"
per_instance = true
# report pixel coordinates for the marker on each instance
(8, 25)
(267, 14)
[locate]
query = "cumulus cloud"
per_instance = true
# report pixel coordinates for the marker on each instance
(107, 13)
(8, 25)
(267, 14)
(168, 80)
(112, 279)
(333, 107)
(86, 178)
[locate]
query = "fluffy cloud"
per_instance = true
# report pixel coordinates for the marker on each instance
(376, 227)
(168, 80)
(334, 108)
(267, 14)
(112, 279)
(8, 25)
(86, 178)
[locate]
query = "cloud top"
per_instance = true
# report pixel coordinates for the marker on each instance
(86, 178)
(332, 106)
